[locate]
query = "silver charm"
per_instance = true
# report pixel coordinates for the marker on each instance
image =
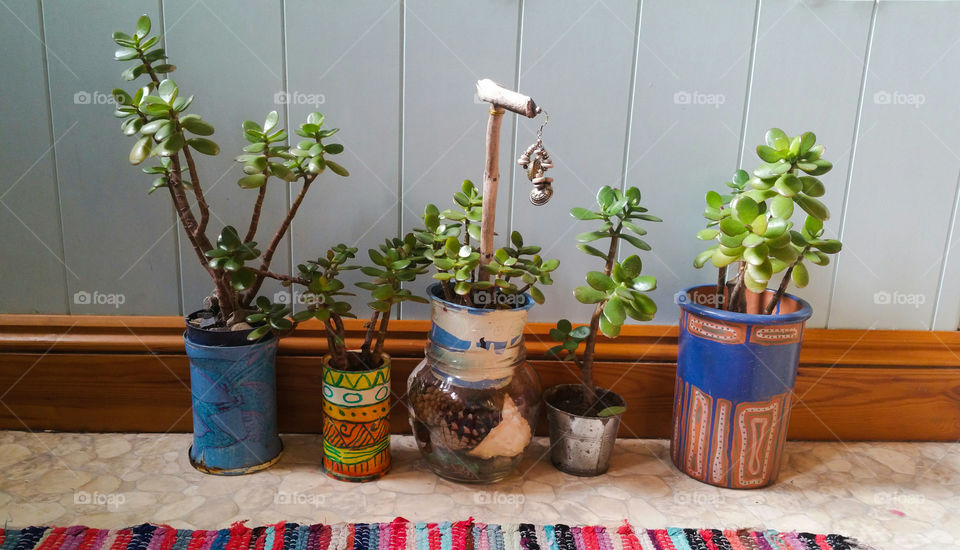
(535, 160)
(540, 194)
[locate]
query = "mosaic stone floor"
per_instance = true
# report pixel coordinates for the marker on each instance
(890, 495)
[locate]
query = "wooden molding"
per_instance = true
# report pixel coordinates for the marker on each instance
(130, 373)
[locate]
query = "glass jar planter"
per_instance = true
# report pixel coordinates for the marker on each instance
(474, 399)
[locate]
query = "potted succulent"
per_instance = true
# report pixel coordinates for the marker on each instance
(583, 419)
(474, 399)
(356, 383)
(739, 342)
(232, 341)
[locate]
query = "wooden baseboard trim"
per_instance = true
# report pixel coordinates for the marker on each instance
(98, 373)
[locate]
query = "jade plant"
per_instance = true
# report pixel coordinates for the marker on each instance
(157, 115)
(452, 245)
(617, 292)
(395, 262)
(751, 225)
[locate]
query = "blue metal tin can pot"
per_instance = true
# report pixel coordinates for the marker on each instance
(234, 406)
(735, 377)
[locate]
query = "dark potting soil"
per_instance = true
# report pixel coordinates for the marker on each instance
(570, 400)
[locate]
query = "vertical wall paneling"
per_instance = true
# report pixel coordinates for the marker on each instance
(118, 241)
(236, 79)
(32, 272)
(444, 123)
(788, 92)
(687, 113)
(576, 62)
(904, 176)
(946, 312)
(344, 55)
(671, 97)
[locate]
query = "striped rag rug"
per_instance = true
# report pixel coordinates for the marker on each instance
(402, 534)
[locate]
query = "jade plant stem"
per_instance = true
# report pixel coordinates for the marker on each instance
(196, 231)
(277, 237)
(783, 285)
(156, 115)
(721, 286)
(586, 366)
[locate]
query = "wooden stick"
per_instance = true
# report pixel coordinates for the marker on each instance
(500, 98)
(491, 178)
(491, 92)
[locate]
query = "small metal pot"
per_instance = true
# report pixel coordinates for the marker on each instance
(580, 445)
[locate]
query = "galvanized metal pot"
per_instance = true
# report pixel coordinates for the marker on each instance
(735, 377)
(233, 389)
(356, 426)
(580, 445)
(474, 399)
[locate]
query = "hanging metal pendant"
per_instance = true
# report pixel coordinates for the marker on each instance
(540, 194)
(535, 161)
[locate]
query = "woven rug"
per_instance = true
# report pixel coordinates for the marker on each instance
(402, 534)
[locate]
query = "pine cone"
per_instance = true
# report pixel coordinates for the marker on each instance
(460, 424)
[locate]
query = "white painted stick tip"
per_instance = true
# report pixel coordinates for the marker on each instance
(491, 92)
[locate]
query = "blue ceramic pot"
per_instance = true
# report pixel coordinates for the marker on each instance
(735, 377)
(234, 407)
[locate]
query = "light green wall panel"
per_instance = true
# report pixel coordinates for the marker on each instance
(904, 176)
(343, 59)
(576, 62)
(32, 271)
(444, 124)
(119, 242)
(687, 113)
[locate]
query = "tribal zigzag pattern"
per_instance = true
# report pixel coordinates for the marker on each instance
(402, 534)
(356, 426)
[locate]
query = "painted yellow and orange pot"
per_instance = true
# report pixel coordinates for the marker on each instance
(356, 427)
